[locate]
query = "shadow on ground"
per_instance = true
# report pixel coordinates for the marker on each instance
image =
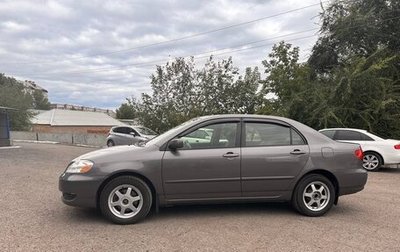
(87, 215)
(388, 170)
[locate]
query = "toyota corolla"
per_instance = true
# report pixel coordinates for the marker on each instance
(244, 158)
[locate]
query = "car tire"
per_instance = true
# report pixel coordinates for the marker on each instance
(314, 195)
(110, 143)
(125, 200)
(372, 161)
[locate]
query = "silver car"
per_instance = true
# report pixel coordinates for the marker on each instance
(126, 135)
(243, 158)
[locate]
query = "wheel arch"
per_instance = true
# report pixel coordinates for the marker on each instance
(377, 153)
(129, 173)
(329, 175)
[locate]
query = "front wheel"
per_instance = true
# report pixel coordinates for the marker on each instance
(314, 195)
(110, 143)
(125, 200)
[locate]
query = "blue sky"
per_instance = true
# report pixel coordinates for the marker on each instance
(60, 44)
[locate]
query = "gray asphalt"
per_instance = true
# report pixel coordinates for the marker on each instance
(32, 217)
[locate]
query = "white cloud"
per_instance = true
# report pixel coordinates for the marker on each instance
(63, 40)
(11, 26)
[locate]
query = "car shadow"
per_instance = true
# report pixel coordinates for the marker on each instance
(93, 216)
(89, 215)
(237, 209)
(389, 170)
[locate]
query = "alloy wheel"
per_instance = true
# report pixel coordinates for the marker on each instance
(370, 162)
(125, 201)
(316, 196)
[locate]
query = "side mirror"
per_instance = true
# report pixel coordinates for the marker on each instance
(133, 133)
(175, 144)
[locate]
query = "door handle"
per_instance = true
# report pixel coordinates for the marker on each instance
(230, 155)
(297, 152)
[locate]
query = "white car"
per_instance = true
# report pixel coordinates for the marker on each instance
(378, 152)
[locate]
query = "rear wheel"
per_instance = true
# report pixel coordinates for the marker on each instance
(125, 200)
(372, 161)
(314, 195)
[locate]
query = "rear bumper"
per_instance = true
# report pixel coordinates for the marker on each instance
(352, 181)
(79, 190)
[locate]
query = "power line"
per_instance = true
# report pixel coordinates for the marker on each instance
(176, 39)
(207, 52)
(151, 63)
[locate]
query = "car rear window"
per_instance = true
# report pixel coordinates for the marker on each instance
(348, 135)
(328, 133)
(366, 138)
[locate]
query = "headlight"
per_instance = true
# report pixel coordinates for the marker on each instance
(79, 166)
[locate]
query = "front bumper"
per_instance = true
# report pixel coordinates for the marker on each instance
(79, 189)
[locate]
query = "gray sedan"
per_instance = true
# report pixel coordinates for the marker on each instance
(245, 158)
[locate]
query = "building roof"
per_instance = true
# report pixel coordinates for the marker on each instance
(2, 109)
(60, 117)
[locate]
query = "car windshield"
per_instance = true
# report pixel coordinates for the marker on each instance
(145, 131)
(171, 131)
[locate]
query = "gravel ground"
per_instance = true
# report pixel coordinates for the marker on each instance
(33, 218)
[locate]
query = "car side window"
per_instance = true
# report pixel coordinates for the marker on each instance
(125, 130)
(296, 138)
(348, 135)
(366, 138)
(328, 133)
(118, 130)
(270, 134)
(220, 135)
(200, 133)
(130, 131)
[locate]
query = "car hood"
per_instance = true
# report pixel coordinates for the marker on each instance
(149, 136)
(109, 153)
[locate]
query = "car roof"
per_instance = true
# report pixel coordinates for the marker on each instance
(308, 132)
(353, 129)
(126, 125)
(222, 116)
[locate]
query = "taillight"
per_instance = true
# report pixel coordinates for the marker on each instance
(397, 146)
(359, 153)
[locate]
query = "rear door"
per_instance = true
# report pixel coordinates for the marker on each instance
(273, 154)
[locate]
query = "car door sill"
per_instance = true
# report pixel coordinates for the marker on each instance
(198, 200)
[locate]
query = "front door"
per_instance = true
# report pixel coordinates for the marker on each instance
(208, 166)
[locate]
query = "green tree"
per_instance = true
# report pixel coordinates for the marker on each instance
(247, 99)
(12, 94)
(126, 111)
(288, 82)
(355, 28)
(356, 64)
(367, 94)
(181, 91)
(40, 101)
